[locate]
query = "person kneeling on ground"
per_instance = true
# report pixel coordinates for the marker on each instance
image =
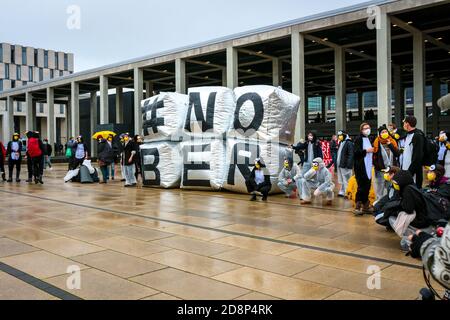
(412, 210)
(288, 176)
(391, 199)
(259, 181)
(319, 178)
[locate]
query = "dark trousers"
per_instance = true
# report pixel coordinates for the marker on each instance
(37, 164)
(263, 188)
(2, 165)
(30, 168)
(364, 183)
(419, 178)
(104, 170)
(11, 165)
(75, 163)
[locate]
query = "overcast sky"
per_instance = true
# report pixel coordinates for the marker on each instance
(114, 30)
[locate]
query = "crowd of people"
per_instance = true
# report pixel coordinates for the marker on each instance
(112, 152)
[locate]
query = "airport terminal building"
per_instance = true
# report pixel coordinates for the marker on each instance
(391, 56)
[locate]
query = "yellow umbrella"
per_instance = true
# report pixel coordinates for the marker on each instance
(104, 134)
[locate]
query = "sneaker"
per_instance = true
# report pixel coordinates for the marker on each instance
(358, 209)
(264, 198)
(405, 244)
(9, 180)
(29, 180)
(253, 198)
(341, 195)
(17, 180)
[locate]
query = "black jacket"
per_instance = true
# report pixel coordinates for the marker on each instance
(9, 150)
(378, 161)
(317, 148)
(334, 147)
(48, 150)
(347, 154)
(412, 199)
(105, 152)
(359, 155)
(127, 151)
(418, 142)
(266, 182)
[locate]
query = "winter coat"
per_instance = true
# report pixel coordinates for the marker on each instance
(304, 146)
(48, 150)
(105, 152)
(359, 155)
(347, 154)
(418, 142)
(128, 150)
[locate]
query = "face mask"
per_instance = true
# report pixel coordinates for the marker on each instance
(341, 138)
(443, 137)
(316, 166)
(109, 139)
(396, 136)
(15, 138)
(431, 176)
(126, 139)
(286, 165)
(257, 166)
(366, 132)
(396, 186)
(387, 176)
(385, 136)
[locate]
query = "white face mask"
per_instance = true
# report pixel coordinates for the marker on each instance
(366, 132)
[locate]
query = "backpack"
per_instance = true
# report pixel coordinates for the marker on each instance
(33, 148)
(438, 207)
(2, 151)
(430, 151)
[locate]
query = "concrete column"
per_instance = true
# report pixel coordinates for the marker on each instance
(298, 80)
(224, 77)
(384, 72)
(232, 68)
(148, 89)
(69, 119)
(93, 120)
(419, 80)
(138, 97)
(104, 111)
(119, 105)
(360, 105)
(8, 120)
(340, 89)
(324, 109)
(180, 75)
(436, 89)
(399, 96)
(30, 118)
(51, 128)
(277, 72)
(75, 107)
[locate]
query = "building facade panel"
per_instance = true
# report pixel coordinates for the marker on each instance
(40, 56)
(6, 53)
(18, 54)
(51, 59)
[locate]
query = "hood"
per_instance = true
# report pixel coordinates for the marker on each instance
(403, 178)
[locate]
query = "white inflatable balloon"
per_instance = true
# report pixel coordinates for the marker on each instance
(163, 116)
(203, 164)
(265, 113)
(241, 155)
(161, 164)
(444, 102)
(210, 112)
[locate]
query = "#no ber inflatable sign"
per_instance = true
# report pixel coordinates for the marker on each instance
(210, 111)
(264, 113)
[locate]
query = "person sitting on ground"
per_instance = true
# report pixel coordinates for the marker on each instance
(344, 161)
(259, 181)
(412, 210)
(318, 178)
(391, 199)
(439, 183)
(287, 177)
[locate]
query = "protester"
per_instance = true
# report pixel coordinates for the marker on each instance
(312, 149)
(2, 161)
(384, 156)
(363, 160)
(334, 147)
(344, 161)
(79, 152)
(128, 161)
(47, 154)
(13, 151)
(138, 141)
(318, 178)
(105, 156)
(35, 153)
(288, 176)
(413, 152)
(438, 182)
(258, 183)
(444, 154)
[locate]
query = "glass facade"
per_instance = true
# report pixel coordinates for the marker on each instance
(24, 56)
